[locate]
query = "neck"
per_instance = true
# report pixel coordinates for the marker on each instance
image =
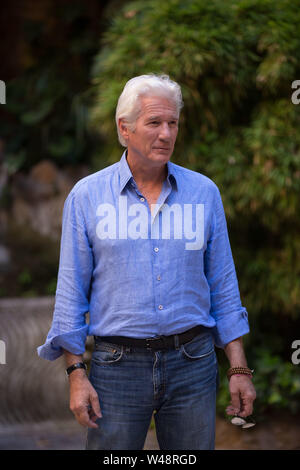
(150, 176)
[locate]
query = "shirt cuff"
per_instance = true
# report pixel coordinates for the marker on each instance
(230, 327)
(73, 341)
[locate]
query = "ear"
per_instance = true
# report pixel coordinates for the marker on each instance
(123, 128)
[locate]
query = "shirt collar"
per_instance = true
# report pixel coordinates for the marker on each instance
(126, 175)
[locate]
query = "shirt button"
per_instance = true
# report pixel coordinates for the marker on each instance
(142, 199)
(156, 249)
(158, 277)
(160, 307)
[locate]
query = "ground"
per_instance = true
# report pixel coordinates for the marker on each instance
(276, 432)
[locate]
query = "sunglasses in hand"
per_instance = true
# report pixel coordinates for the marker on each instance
(245, 423)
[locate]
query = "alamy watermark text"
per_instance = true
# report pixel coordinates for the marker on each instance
(133, 222)
(2, 352)
(2, 92)
(296, 94)
(296, 354)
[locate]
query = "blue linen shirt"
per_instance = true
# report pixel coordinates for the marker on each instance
(141, 276)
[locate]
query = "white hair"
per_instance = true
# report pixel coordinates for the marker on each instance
(129, 106)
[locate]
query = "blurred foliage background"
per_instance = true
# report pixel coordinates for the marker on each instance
(236, 61)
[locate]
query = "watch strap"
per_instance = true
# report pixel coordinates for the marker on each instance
(78, 365)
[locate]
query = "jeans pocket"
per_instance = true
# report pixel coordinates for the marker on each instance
(106, 353)
(200, 347)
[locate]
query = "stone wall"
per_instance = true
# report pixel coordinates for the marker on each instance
(31, 388)
(31, 208)
(37, 197)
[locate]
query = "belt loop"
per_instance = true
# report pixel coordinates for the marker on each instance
(176, 341)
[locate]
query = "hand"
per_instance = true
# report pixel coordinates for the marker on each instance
(84, 402)
(242, 394)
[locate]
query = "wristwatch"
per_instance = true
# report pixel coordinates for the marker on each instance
(78, 365)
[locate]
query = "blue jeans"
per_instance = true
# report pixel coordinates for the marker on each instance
(178, 385)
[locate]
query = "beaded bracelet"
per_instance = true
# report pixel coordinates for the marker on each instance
(239, 371)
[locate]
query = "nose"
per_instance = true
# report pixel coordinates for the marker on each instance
(164, 132)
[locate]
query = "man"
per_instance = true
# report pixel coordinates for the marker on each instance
(145, 250)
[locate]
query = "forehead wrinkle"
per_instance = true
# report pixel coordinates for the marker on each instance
(159, 116)
(155, 108)
(168, 114)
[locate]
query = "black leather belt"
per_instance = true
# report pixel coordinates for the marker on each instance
(156, 343)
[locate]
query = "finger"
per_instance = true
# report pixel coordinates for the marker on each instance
(230, 410)
(247, 402)
(92, 415)
(88, 422)
(94, 400)
(235, 402)
(84, 419)
(247, 408)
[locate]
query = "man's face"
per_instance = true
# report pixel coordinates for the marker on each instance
(152, 142)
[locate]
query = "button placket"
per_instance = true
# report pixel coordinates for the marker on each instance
(156, 270)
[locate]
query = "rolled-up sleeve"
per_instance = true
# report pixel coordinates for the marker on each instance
(230, 316)
(69, 328)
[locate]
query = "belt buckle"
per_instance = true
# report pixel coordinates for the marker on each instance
(159, 338)
(148, 340)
